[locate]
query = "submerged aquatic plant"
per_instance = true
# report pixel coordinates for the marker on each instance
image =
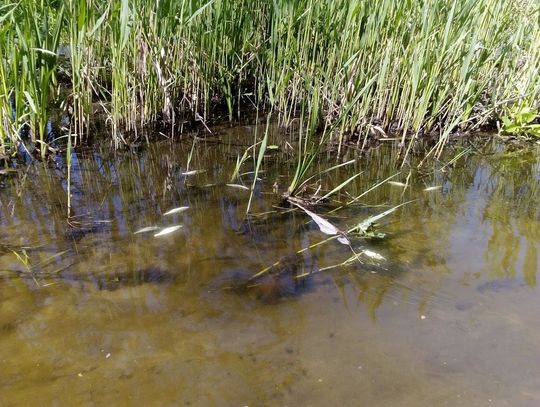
(364, 229)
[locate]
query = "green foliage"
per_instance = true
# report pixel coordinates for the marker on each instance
(346, 66)
(520, 121)
(29, 37)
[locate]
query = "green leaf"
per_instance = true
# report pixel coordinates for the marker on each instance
(125, 23)
(363, 226)
(199, 11)
(528, 115)
(512, 128)
(30, 101)
(98, 23)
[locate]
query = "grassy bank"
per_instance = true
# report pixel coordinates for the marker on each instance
(352, 68)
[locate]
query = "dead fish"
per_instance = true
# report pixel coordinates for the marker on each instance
(434, 188)
(373, 255)
(176, 210)
(6, 171)
(325, 226)
(146, 229)
(238, 186)
(168, 230)
(192, 172)
(397, 184)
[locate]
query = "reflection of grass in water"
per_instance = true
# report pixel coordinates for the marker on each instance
(363, 229)
(38, 269)
(136, 181)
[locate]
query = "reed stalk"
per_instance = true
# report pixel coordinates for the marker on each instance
(352, 66)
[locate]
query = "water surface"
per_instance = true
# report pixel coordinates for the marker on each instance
(93, 314)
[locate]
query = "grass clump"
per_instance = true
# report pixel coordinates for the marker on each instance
(349, 67)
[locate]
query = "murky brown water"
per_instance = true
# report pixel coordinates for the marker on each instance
(98, 315)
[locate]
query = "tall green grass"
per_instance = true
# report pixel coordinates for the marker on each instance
(349, 67)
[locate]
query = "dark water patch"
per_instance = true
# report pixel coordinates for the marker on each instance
(284, 279)
(112, 281)
(500, 286)
(76, 231)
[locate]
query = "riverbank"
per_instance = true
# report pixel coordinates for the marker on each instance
(344, 70)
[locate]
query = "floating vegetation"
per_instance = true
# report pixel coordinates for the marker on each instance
(364, 229)
(356, 258)
(239, 162)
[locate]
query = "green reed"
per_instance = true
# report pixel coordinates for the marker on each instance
(30, 36)
(353, 67)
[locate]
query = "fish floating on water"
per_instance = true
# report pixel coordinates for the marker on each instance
(434, 188)
(168, 230)
(146, 229)
(238, 186)
(176, 210)
(397, 184)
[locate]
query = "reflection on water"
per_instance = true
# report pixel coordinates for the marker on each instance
(91, 313)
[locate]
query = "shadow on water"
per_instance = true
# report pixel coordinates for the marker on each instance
(458, 255)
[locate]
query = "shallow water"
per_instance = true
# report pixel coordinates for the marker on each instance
(93, 314)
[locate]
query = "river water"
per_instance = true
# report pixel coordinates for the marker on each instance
(94, 314)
